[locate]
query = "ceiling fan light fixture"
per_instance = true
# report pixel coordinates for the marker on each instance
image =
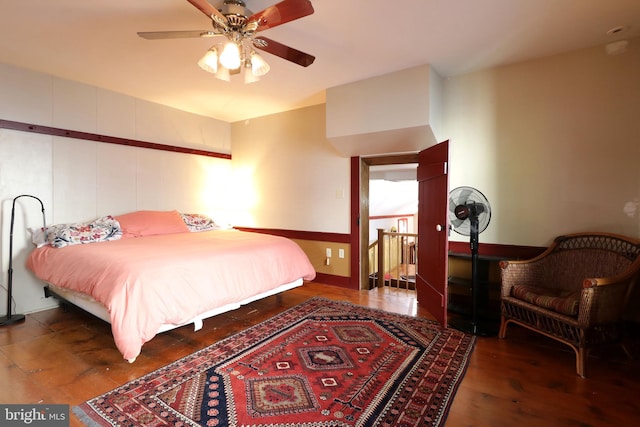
(223, 74)
(239, 25)
(249, 76)
(259, 66)
(230, 56)
(209, 62)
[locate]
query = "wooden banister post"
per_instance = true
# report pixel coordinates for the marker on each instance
(381, 251)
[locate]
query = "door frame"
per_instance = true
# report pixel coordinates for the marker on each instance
(360, 210)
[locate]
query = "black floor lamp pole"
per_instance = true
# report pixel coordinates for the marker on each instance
(14, 318)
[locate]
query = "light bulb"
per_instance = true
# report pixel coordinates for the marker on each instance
(230, 56)
(209, 62)
(259, 66)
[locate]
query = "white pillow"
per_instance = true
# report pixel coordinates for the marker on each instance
(37, 237)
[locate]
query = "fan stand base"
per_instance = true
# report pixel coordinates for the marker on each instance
(15, 318)
(483, 328)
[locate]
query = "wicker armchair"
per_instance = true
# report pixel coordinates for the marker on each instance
(574, 292)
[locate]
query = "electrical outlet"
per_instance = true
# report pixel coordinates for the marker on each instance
(328, 251)
(340, 253)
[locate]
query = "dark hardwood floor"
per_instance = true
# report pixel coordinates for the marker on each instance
(67, 356)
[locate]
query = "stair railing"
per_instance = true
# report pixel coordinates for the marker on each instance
(392, 259)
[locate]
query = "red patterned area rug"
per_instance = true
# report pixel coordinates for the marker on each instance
(321, 363)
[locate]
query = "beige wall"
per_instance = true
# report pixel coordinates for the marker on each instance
(553, 143)
(287, 174)
(317, 253)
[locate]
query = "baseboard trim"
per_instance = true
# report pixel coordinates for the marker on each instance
(331, 279)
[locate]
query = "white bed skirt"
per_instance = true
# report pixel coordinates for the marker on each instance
(96, 308)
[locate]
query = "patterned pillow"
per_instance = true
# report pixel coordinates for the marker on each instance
(199, 222)
(100, 230)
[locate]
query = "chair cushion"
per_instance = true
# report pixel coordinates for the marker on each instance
(559, 301)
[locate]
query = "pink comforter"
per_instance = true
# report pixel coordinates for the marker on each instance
(149, 281)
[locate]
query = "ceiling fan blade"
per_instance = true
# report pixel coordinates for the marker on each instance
(160, 35)
(285, 52)
(281, 13)
(208, 9)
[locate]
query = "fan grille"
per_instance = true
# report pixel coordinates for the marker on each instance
(461, 200)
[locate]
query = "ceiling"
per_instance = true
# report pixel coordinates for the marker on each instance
(95, 42)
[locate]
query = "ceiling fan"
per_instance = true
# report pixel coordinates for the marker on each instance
(233, 20)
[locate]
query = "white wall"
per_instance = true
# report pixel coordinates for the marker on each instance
(553, 143)
(79, 180)
(385, 114)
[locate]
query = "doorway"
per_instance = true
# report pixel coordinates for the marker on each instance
(432, 251)
(367, 166)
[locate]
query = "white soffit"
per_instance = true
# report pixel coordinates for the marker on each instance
(384, 114)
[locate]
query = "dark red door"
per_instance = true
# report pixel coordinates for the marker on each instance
(433, 235)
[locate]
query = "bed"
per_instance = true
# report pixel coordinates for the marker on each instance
(146, 280)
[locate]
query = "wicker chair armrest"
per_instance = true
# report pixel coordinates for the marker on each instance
(533, 260)
(520, 272)
(603, 299)
(593, 282)
(628, 277)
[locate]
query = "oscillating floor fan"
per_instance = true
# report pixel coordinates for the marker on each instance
(469, 215)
